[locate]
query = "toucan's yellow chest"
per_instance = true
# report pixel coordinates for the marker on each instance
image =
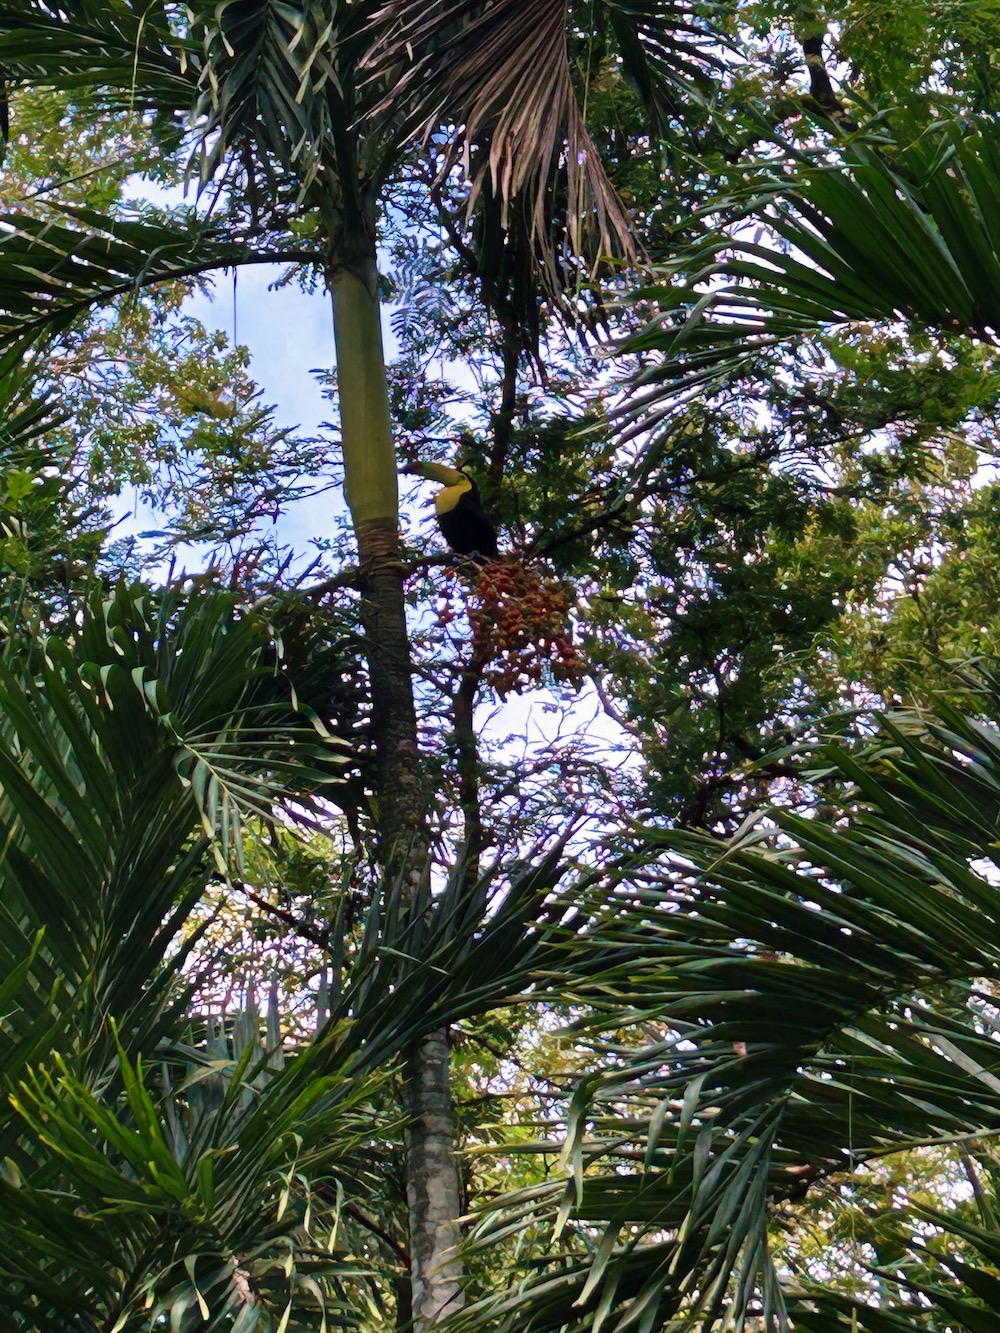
(448, 497)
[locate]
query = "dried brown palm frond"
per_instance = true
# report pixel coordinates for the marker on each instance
(501, 76)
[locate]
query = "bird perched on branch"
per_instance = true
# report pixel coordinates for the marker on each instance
(463, 521)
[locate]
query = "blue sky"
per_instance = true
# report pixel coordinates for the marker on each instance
(289, 333)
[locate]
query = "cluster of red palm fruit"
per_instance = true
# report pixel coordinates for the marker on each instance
(520, 627)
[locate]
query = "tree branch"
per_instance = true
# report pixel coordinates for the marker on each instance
(320, 938)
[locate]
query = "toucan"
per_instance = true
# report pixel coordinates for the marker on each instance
(463, 521)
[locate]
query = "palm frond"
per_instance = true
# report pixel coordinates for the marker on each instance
(107, 831)
(52, 270)
(876, 233)
(269, 77)
(502, 74)
(28, 413)
(825, 1001)
(106, 823)
(227, 1202)
(671, 54)
(128, 56)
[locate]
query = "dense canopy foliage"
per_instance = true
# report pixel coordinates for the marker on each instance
(599, 938)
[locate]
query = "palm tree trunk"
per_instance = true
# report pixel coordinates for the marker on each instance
(370, 484)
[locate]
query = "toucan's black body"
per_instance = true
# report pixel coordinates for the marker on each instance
(467, 528)
(463, 521)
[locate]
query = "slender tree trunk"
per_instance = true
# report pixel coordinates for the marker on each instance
(467, 748)
(432, 1184)
(371, 486)
(372, 494)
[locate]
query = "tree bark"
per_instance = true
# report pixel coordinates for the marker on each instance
(370, 484)
(812, 34)
(467, 752)
(432, 1185)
